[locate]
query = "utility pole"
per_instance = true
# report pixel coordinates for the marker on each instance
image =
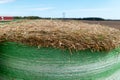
(64, 15)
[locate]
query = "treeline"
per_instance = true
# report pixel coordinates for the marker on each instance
(27, 17)
(37, 17)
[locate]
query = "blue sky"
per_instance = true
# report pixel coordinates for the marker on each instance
(109, 9)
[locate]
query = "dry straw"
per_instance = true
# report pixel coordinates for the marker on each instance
(72, 35)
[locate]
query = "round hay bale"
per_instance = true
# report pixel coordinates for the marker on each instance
(22, 62)
(57, 50)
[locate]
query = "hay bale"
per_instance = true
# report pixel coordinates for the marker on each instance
(51, 59)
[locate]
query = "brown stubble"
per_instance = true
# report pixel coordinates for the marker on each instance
(72, 35)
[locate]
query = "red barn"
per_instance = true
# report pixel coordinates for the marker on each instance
(6, 18)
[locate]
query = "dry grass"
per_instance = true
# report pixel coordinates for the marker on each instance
(70, 35)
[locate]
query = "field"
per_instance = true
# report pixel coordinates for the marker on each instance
(115, 24)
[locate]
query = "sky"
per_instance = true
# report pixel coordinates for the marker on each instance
(108, 9)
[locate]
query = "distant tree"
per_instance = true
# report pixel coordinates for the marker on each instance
(31, 17)
(18, 17)
(93, 19)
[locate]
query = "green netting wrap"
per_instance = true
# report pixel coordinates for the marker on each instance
(21, 62)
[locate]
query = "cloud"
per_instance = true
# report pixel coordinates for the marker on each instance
(41, 9)
(5, 1)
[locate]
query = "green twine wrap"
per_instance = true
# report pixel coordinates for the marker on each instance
(22, 62)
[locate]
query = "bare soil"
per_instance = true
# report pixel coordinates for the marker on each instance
(114, 24)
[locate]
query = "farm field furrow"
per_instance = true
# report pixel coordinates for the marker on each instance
(114, 24)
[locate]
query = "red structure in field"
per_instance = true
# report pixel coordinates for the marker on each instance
(0, 18)
(6, 18)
